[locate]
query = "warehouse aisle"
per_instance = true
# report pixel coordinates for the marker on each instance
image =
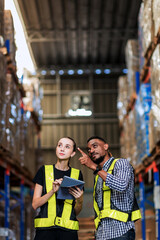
(93, 94)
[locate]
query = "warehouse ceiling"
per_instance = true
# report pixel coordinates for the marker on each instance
(77, 33)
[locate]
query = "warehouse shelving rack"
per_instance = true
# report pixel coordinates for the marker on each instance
(150, 163)
(12, 174)
(15, 176)
(145, 72)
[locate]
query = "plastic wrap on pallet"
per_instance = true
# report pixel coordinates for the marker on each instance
(132, 62)
(143, 107)
(27, 150)
(128, 140)
(132, 137)
(122, 100)
(2, 97)
(156, 15)
(19, 126)
(11, 114)
(124, 140)
(154, 130)
(9, 34)
(140, 37)
(32, 88)
(147, 25)
(154, 126)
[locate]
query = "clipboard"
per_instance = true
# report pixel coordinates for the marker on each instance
(63, 192)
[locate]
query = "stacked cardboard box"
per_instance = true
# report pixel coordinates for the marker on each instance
(26, 138)
(9, 35)
(122, 100)
(33, 97)
(156, 15)
(2, 96)
(12, 116)
(145, 114)
(132, 63)
(17, 127)
(140, 37)
(154, 125)
(143, 107)
(147, 24)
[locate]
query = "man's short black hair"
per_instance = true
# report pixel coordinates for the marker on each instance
(96, 137)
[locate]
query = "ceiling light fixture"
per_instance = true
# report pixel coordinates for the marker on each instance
(107, 71)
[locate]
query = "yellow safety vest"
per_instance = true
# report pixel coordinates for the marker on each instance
(107, 212)
(53, 220)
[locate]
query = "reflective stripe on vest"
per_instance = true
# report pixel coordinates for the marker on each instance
(107, 211)
(52, 219)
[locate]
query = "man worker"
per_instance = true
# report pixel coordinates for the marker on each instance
(115, 204)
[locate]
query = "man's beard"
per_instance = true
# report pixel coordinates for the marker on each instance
(99, 160)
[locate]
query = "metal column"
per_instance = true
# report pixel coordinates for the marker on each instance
(157, 209)
(142, 206)
(22, 211)
(7, 197)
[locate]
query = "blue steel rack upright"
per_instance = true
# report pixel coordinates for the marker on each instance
(6, 194)
(143, 198)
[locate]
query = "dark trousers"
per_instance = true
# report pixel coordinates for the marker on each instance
(130, 235)
(55, 234)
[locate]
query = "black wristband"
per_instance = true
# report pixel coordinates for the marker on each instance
(98, 168)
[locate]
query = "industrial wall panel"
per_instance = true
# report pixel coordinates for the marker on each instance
(49, 86)
(109, 131)
(115, 152)
(52, 133)
(49, 157)
(73, 84)
(65, 103)
(103, 83)
(105, 103)
(47, 136)
(49, 105)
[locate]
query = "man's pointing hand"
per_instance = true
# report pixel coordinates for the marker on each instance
(85, 160)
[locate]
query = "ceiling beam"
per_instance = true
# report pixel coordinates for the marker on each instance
(51, 35)
(54, 121)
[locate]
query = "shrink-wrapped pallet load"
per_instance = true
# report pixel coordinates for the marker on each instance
(147, 24)
(122, 100)
(2, 97)
(132, 63)
(140, 37)
(156, 15)
(154, 130)
(9, 35)
(142, 108)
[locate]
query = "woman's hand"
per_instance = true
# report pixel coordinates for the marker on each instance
(56, 184)
(76, 192)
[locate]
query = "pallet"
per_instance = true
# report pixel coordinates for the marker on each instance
(87, 229)
(148, 161)
(8, 161)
